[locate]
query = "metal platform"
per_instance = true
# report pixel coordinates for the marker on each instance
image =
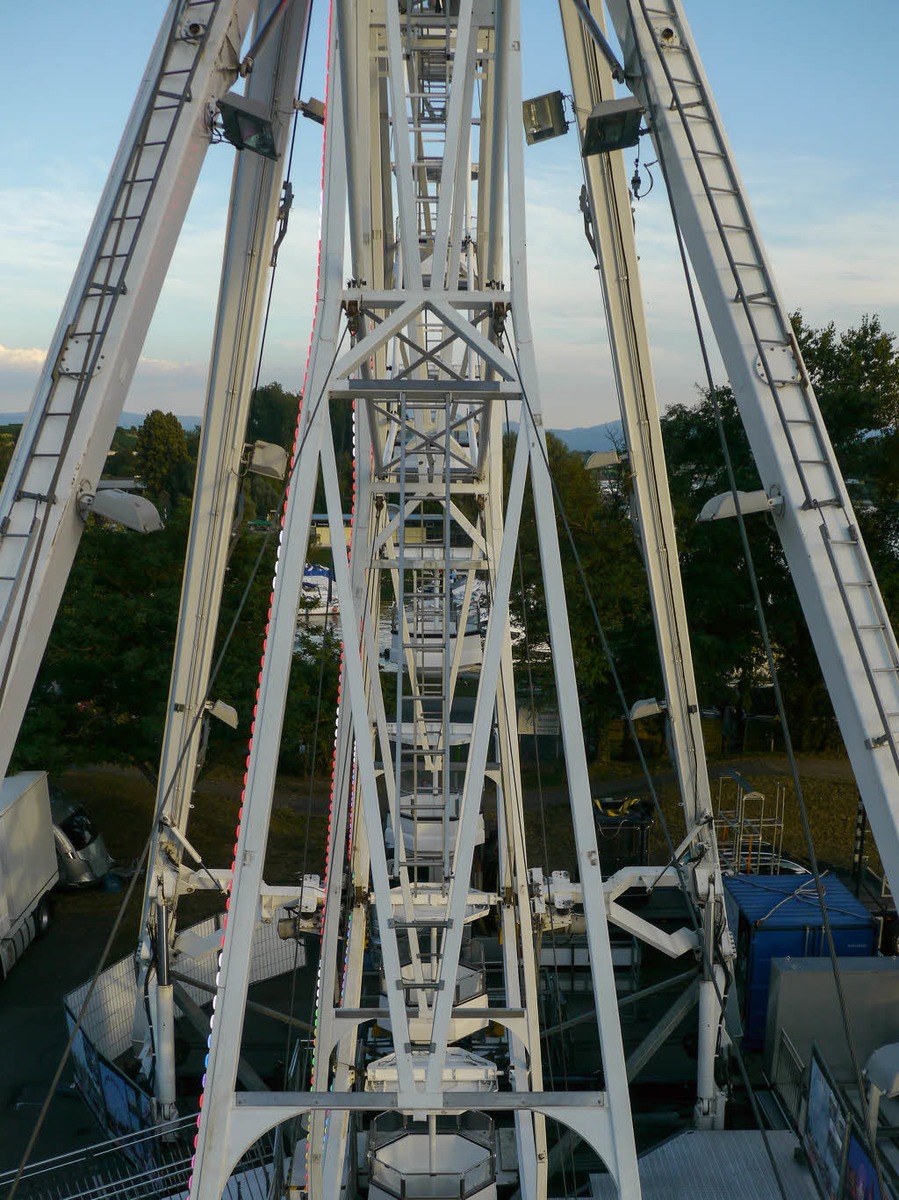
(722, 1165)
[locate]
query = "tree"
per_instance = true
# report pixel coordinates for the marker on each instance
(273, 416)
(100, 695)
(856, 376)
(161, 455)
(605, 548)
(8, 437)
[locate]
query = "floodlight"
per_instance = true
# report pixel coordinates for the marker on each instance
(313, 110)
(544, 117)
(124, 508)
(602, 458)
(268, 459)
(247, 124)
(723, 506)
(613, 125)
(647, 708)
(223, 712)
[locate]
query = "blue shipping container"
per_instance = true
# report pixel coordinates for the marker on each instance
(779, 916)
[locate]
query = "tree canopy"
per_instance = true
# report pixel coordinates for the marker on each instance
(102, 688)
(161, 455)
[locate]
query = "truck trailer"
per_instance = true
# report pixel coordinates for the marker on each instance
(28, 867)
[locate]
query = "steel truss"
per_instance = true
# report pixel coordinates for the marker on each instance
(423, 168)
(441, 357)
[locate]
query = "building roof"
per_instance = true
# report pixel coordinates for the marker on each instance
(791, 901)
(719, 1165)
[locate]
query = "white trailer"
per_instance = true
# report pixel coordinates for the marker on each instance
(27, 863)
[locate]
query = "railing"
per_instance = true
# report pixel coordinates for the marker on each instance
(454, 1181)
(102, 1172)
(787, 1073)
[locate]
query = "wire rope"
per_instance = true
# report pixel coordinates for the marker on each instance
(160, 808)
(757, 601)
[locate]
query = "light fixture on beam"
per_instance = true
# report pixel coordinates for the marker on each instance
(123, 508)
(267, 459)
(544, 117)
(725, 505)
(613, 125)
(647, 708)
(312, 109)
(601, 459)
(226, 713)
(247, 124)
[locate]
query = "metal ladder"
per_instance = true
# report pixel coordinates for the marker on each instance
(779, 365)
(80, 356)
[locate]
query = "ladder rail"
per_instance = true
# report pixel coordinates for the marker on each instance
(97, 343)
(855, 643)
(759, 264)
(813, 418)
(101, 293)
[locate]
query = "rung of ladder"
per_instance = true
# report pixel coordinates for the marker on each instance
(832, 502)
(434, 923)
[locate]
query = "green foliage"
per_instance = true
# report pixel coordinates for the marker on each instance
(245, 606)
(161, 458)
(273, 416)
(102, 688)
(101, 691)
(856, 377)
(8, 437)
(604, 545)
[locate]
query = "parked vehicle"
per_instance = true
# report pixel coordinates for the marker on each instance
(28, 868)
(81, 853)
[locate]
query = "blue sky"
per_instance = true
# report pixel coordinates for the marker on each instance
(807, 90)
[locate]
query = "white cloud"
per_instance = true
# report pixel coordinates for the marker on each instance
(831, 245)
(21, 358)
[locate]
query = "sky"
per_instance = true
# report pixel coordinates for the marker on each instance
(809, 97)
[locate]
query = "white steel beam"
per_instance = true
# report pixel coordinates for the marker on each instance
(427, 363)
(246, 264)
(62, 448)
(610, 208)
(843, 607)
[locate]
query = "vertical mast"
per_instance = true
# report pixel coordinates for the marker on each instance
(434, 351)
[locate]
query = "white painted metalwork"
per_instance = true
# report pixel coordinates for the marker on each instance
(433, 383)
(425, 331)
(609, 203)
(62, 448)
(827, 558)
(221, 466)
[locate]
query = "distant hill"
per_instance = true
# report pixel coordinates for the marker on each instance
(587, 439)
(126, 421)
(129, 419)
